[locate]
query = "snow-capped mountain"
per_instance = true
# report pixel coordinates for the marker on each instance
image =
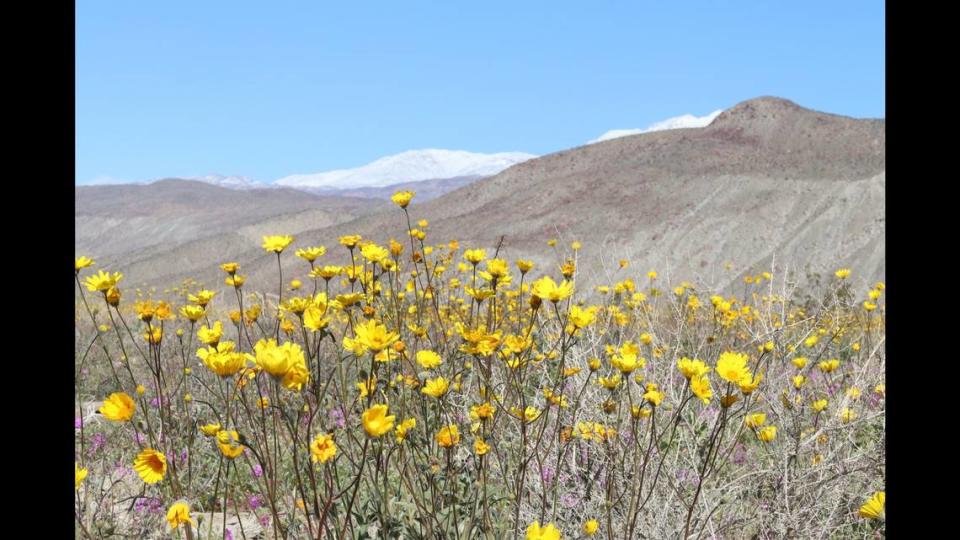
(676, 122)
(410, 166)
(108, 181)
(232, 182)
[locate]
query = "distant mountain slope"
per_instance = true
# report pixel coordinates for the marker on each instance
(767, 179)
(676, 122)
(425, 189)
(409, 166)
(232, 182)
(431, 172)
(125, 223)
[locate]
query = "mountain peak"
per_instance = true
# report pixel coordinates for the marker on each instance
(765, 107)
(767, 112)
(783, 123)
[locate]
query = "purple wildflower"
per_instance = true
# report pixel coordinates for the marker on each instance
(336, 416)
(96, 443)
(548, 474)
(739, 454)
(152, 505)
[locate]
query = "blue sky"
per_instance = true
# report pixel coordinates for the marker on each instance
(268, 89)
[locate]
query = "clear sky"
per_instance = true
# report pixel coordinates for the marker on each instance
(268, 89)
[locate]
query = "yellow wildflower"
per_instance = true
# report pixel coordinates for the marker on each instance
(118, 407)
(79, 473)
(732, 367)
(179, 514)
(151, 465)
(875, 506)
(276, 243)
(436, 388)
(376, 422)
(448, 436)
(547, 532)
(322, 448)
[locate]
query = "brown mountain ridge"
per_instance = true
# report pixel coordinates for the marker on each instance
(766, 183)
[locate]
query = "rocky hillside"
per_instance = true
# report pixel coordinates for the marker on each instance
(766, 182)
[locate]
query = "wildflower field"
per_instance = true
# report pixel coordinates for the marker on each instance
(431, 391)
